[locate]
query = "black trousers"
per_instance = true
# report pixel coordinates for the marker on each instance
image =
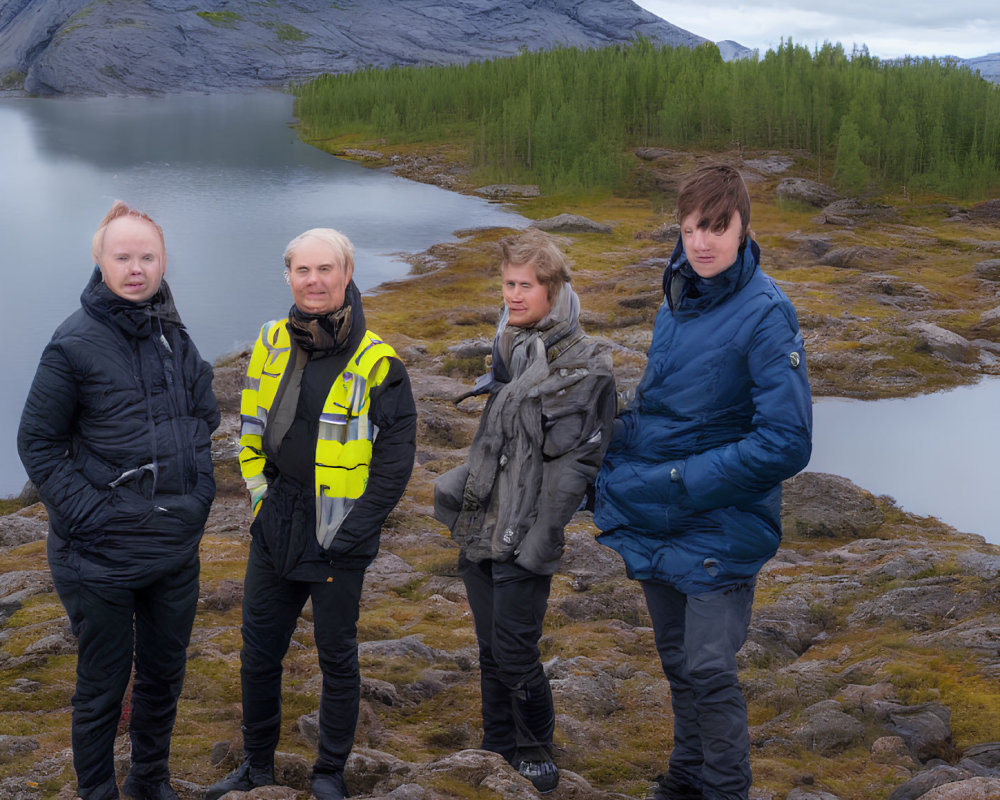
(271, 608)
(508, 607)
(153, 620)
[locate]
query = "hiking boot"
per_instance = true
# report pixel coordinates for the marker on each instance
(242, 779)
(544, 775)
(139, 789)
(329, 786)
(667, 788)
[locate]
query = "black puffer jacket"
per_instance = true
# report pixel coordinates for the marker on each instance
(116, 435)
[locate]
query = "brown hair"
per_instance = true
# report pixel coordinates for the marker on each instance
(119, 209)
(541, 251)
(716, 192)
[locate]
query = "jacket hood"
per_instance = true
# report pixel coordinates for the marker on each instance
(688, 293)
(135, 319)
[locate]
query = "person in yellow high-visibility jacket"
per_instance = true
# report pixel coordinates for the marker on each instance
(327, 446)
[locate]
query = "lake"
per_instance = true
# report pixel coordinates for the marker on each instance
(229, 182)
(936, 454)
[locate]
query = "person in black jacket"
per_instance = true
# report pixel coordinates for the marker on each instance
(116, 436)
(327, 447)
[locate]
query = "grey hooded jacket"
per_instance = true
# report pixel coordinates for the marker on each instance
(538, 447)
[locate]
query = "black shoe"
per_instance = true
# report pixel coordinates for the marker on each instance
(544, 775)
(242, 779)
(329, 786)
(141, 790)
(667, 788)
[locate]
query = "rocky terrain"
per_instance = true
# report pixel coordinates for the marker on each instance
(874, 653)
(128, 47)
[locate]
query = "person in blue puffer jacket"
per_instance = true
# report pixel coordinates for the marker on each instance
(689, 492)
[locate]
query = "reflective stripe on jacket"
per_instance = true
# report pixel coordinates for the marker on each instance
(344, 441)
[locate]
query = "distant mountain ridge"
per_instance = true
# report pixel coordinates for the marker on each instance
(130, 46)
(85, 47)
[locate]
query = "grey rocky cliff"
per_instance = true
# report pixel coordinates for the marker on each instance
(127, 46)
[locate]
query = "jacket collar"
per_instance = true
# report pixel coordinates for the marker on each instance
(687, 293)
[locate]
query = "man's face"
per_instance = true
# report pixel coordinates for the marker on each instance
(526, 299)
(710, 252)
(132, 259)
(317, 277)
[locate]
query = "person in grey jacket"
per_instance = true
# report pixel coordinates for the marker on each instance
(538, 447)
(116, 435)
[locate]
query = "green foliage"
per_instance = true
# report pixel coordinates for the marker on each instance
(851, 174)
(565, 118)
(289, 33)
(12, 80)
(222, 19)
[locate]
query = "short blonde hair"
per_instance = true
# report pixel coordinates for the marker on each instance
(117, 211)
(335, 240)
(541, 251)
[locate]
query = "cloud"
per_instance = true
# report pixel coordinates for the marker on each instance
(890, 29)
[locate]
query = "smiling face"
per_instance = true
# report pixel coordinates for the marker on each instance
(132, 259)
(526, 299)
(317, 276)
(710, 252)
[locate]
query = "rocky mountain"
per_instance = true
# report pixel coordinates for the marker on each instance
(988, 66)
(130, 46)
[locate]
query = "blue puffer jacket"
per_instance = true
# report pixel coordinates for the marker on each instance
(690, 490)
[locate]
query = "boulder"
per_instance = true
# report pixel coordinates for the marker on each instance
(828, 730)
(918, 607)
(570, 223)
(13, 746)
(23, 527)
(923, 782)
(987, 213)
(805, 191)
(940, 341)
(857, 257)
(502, 191)
(988, 270)
(926, 728)
(774, 165)
(849, 212)
(979, 788)
(817, 505)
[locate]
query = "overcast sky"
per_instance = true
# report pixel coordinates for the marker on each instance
(890, 28)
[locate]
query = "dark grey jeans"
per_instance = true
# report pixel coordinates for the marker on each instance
(697, 637)
(508, 607)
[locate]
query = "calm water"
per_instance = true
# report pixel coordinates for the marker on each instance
(229, 182)
(935, 454)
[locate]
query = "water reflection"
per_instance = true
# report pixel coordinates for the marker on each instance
(935, 454)
(230, 184)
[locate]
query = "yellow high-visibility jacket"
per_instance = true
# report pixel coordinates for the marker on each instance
(344, 442)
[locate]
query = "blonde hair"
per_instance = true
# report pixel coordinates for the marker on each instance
(335, 240)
